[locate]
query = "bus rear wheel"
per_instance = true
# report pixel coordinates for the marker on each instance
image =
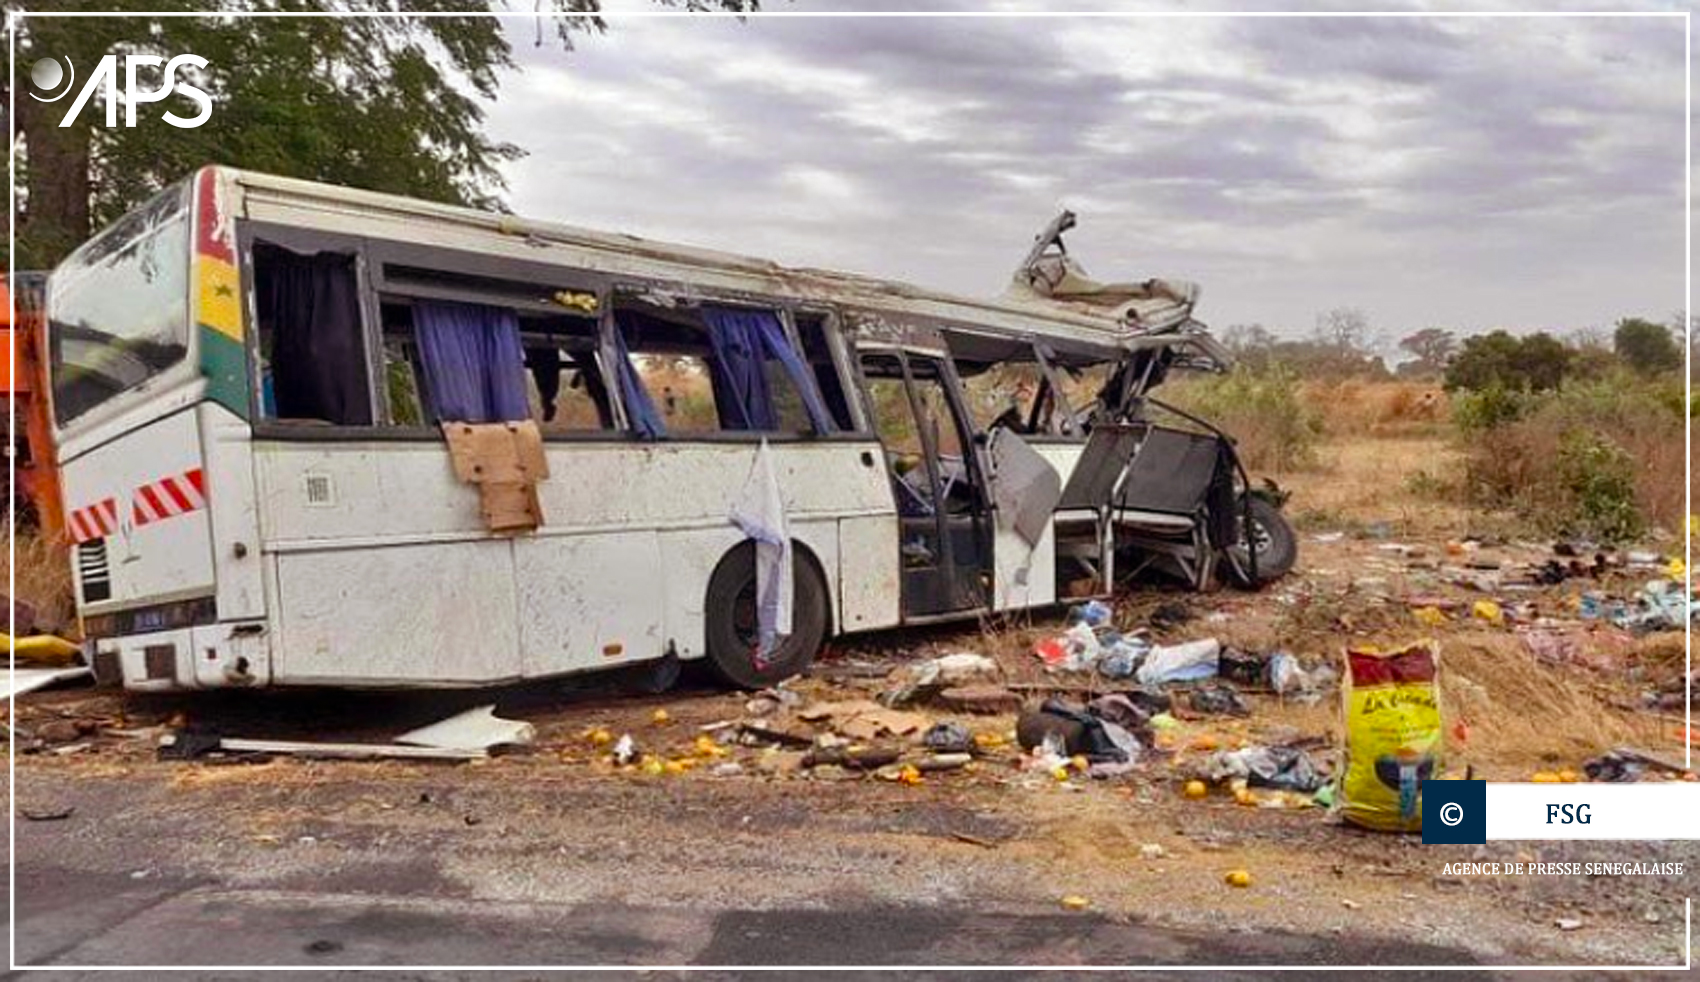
(733, 628)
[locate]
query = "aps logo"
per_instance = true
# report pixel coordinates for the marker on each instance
(57, 77)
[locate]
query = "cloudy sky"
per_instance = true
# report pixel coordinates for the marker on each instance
(1439, 171)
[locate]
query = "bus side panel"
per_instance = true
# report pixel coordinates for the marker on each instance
(226, 441)
(145, 497)
(631, 533)
(870, 581)
(589, 600)
(431, 613)
(693, 555)
(1024, 576)
(691, 558)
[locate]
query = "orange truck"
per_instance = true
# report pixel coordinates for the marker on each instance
(30, 439)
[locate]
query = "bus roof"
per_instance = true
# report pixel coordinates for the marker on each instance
(1011, 316)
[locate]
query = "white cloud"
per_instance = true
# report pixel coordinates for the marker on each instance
(1436, 171)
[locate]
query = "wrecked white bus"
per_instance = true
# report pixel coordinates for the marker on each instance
(257, 383)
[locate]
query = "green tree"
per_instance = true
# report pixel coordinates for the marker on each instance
(1501, 360)
(386, 103)
(1646, 346)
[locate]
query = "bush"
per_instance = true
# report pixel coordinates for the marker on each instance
(1534, 363)
(1599, 476)
(1484, 409)
(1602, 458)
(1646, 347)
(1261, 408)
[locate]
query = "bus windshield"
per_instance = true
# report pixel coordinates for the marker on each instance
(118, 307)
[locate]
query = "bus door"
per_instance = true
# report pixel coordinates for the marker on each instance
(945, 544)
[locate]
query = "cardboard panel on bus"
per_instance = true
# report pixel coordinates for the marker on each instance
(505, 461)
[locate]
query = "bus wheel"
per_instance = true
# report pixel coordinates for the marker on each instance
(733, 629)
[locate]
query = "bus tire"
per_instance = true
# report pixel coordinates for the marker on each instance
(730, 630)
(1278, 550)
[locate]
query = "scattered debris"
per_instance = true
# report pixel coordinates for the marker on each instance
(1188, 662)
(475, 729)
(17, 681)
(1284, 768)
(1076, 650)
(862, 719)
(1093, 613)
(1290, 680)
(1123, 656)
(47, 814)
(41, 649)
(986, 699)
(1217, 699)
(924, 680)
(298, 748)
(949, 738)
(858, 759)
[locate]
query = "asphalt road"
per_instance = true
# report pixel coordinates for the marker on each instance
(533, 861)
(71, 917)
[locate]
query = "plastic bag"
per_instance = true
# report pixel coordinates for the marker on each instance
(1289, 679)
(1394, 734)
(1077, 650)
(1122, 657)
(1188, 662)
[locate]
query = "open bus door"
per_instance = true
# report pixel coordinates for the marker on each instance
(943, 506)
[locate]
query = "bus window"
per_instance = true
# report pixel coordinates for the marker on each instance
(312, 342)
(818, 352)
(564, 382)
(1081, 384)
(680, 387)
(480, 363)
(118, 307)
(1005, 393)
(403, 386)
(719, 369)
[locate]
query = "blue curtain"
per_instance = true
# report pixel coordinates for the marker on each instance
(743, 340)
(640, 409)
(474, 365)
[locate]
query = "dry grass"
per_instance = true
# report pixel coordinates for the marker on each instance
(1525, 714)
(43, 576)
(1359, 407)
(1410, 482)
(1518, 461)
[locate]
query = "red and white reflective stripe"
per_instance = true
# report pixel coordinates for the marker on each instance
(96, 521)
(168, 497)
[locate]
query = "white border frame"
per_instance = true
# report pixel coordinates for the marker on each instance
(14, 16)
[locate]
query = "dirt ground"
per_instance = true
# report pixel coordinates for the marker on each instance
(705, 810)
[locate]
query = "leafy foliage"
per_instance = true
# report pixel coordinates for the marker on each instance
(1532, 363)
(1602, 457)
(1275, 427)
(387, 103)
(1431, 350)
(1645, 346)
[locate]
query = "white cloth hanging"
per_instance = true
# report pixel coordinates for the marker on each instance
(759, 512)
